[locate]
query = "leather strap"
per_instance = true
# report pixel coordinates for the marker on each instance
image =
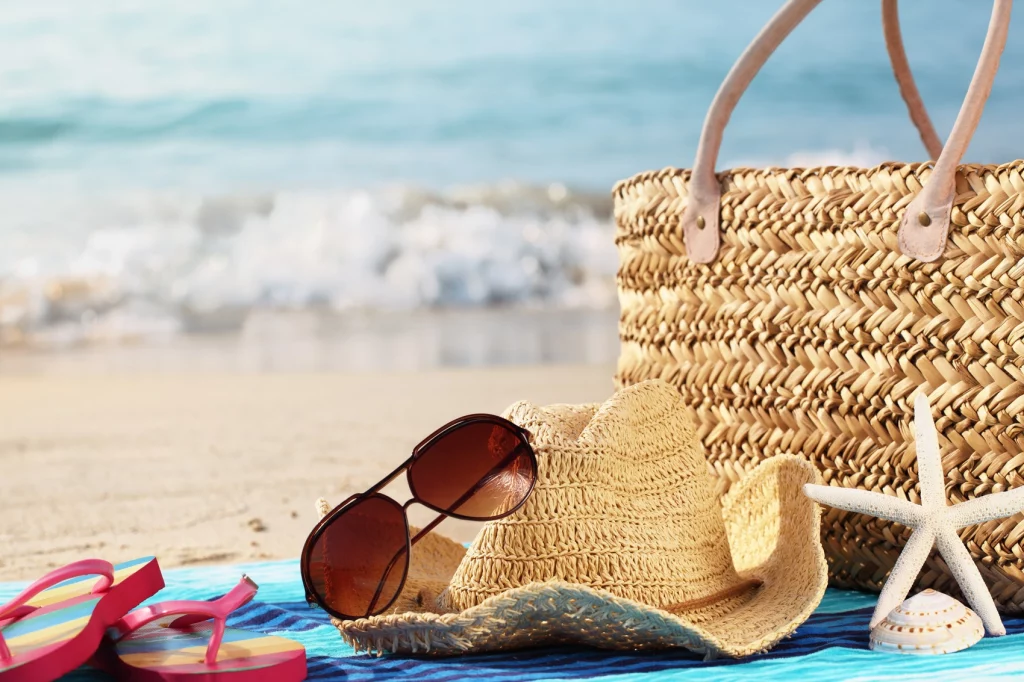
(924, 239)
(700, 219)
(924, 227)
(905, 79)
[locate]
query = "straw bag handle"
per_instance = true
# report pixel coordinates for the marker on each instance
(905, 79)
(925, 223)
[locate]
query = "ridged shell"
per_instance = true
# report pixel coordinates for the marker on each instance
(930, 622)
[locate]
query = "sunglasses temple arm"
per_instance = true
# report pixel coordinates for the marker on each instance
(380, 586)
(433, 524)
(429, 527)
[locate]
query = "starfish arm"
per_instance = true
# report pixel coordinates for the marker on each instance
(867, 502)
(904, 573)
(930, 478)
(987, 508)
(966, 574)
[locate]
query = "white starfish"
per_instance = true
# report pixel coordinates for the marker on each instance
(934, 522)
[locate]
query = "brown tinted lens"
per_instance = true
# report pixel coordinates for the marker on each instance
(480, 470)
(357, 565)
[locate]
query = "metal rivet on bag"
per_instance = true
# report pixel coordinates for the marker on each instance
(924, 219)
(701, 222)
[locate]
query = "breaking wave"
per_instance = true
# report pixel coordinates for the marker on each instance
(158, 264)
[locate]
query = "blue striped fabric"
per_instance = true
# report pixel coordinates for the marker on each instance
(831, 645)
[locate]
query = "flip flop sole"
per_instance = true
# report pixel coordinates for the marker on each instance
(156, 653)
(68, 625)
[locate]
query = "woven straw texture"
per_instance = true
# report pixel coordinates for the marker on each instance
(623, 520)
(810, 334)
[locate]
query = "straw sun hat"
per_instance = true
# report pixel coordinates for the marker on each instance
(622, 545)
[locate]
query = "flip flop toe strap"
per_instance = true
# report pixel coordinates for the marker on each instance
(18, 608)
(192, 612)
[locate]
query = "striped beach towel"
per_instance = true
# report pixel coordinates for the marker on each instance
(831, 645)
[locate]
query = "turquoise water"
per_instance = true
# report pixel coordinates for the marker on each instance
(188, 159)
(267, 94)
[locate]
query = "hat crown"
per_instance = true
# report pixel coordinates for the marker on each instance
(624, 502)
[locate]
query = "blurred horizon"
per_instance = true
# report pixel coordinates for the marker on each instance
(170, 169)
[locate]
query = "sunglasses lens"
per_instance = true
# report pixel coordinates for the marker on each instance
(357, 565)
(480, 470)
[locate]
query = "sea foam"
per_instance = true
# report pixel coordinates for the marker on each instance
(149, 265)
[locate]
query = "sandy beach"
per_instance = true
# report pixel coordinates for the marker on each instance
(215, 468)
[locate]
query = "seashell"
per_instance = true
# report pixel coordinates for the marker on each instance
(930, 622)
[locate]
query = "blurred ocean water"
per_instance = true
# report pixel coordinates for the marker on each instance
(168, 167)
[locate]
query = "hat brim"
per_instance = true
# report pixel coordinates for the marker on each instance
(774, 536)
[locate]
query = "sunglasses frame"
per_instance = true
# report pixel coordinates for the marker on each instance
(304, 565)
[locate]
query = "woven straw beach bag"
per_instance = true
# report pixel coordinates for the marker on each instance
(800, 310)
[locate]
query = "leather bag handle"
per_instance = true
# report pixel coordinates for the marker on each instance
(924, 226)
(905, 79)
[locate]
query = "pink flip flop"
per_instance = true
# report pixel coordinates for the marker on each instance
(58, 622)
(151, 645)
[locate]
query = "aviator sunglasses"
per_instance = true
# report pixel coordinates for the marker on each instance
(356, 559)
